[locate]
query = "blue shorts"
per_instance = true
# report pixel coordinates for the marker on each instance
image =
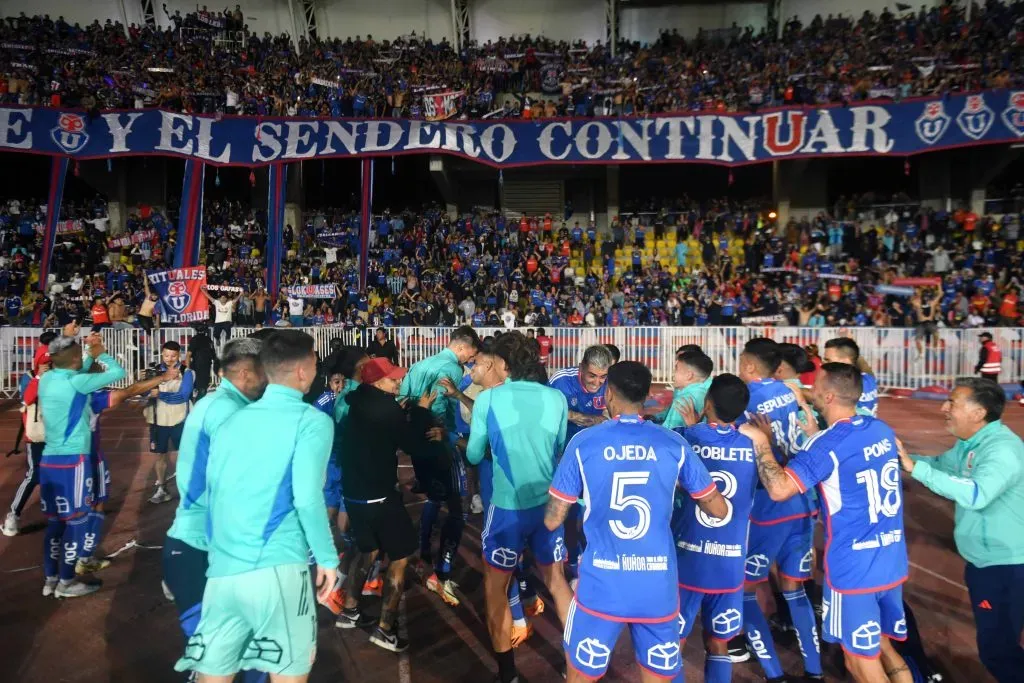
(100, 477)
(787, 544)
(721, 614)
(857, 621)
(332, 487)
(65, 486)
(589, 640)
(507, 532)
(185, 576)
(161, 437)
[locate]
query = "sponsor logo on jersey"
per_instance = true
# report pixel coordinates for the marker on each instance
(644, 563)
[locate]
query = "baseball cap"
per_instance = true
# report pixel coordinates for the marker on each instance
(380, 368)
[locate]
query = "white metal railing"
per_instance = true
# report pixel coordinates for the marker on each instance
(898, 358)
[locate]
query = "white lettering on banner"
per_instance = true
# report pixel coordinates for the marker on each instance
(267, 135)
(416, 131)
(639, 141)
(507, 140)
(373, 131)
(345, 133)
(12, 124)
(674, 137)
(299, 133)
(745, 140)
(547, 138)
(824, 133)
(172, 129)
(204, 143)
(870, 121)
(119, 132)
(585, 142)
(454, 132)
(630, 452)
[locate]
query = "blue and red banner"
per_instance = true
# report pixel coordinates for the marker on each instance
(180, 294)
(876, 128)
(277, 191)
(190, 220)
(58, 171)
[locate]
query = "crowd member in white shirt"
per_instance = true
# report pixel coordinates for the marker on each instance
(295, 308)
(508, 319)
(224, 314)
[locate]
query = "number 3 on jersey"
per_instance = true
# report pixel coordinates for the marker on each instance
(728, 488)
(622, 502)
(888, 505)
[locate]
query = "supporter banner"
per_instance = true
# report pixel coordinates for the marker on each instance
(224, 288)
(441, 106)
(180, 293)
(897, 291)
(277, 189)
(63, 227)
(311, 291)
(58, 172)
(901, 129)
(763, 319)
(917, 281)
(139, 237)
(190, 220)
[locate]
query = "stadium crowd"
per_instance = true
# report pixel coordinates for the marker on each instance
(209, 62)
(674, 262)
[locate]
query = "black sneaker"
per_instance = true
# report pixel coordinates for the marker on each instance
(813, 678)
(351, 618)
(780, 625)
(738, 651)
(389, 641)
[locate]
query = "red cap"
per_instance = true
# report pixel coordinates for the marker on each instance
(41, 357)
(380, 368)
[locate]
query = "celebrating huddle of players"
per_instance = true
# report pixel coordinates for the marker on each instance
(693, 520)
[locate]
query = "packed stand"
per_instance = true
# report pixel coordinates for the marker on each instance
(209, 62)
(664, 262)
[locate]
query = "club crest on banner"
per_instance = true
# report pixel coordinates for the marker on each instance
(931, 125)
(1013, 115)
(178, 296)
(70, 133)
(976, 118)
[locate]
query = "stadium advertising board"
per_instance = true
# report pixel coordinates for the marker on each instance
(900, 129)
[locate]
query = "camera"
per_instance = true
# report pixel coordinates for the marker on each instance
(152, 371)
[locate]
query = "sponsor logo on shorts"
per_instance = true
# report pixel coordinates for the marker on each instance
(663, 656)
(866, 636)
(806, 562)
(726, 622)
(756, 565)
(592, 653)
(504, 557)
(682, 624)
(900, 627)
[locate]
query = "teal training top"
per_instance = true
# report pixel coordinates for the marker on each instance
(264, 482)
(202, 423)
(524, 423)
(340, 411)
(984, 476)
(64, 404)
(695, 393)
(425, 375)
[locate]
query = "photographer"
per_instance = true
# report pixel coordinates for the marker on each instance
(169, 406)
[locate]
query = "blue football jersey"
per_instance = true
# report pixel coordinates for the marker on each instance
(461, 426)
(580, 400)
(776, 400)
(98, 402)
(325, 403)
(868, 403)
(856, 468)
(712, 552)
(626, 471)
